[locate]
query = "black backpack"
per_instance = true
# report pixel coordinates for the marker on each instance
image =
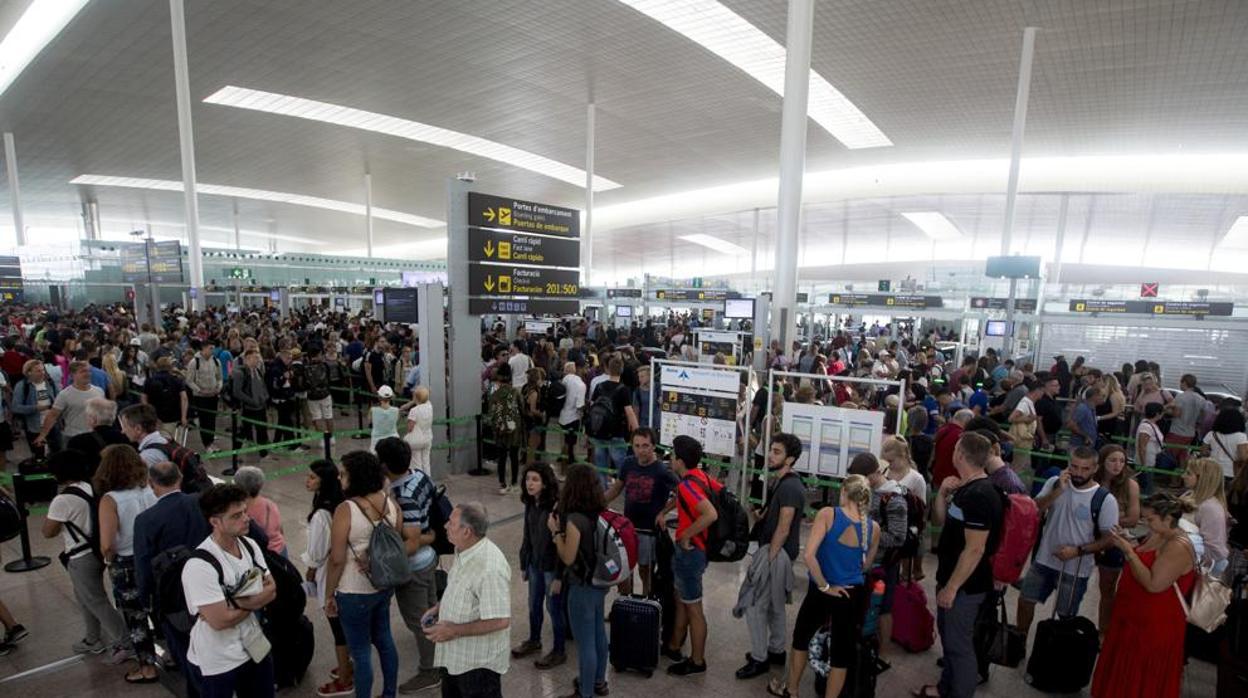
(728, 539)
(440, 509)
(556, 395)
(165, 395)
(83, 541)
(316, 380)
(167, 566)
(289, 603)
(194, 477)
(601, 420)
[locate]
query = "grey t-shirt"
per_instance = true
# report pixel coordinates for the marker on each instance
(1069, 522)
(72, 404)
(1190, 405)
(789, 492)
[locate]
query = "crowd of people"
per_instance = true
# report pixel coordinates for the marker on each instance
(1141, 486)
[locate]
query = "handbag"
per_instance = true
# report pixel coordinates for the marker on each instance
(1023, 434)
(1210, 599)
(999, 641)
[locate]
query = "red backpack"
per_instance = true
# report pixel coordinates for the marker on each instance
(1018, 536)
(615, 549)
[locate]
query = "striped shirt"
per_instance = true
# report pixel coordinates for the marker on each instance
(478, 587)
(414, 493)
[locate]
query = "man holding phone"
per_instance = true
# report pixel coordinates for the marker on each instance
(228, 650)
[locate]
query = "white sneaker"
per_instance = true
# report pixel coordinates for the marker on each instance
(504, 491)
(83, 646)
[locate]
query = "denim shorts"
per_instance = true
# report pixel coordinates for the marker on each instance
(645, 549)
(687, 569)
(1041, 581)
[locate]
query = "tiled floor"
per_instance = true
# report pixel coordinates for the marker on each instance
(43, 601)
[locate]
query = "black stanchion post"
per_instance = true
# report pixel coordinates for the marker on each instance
(329, 445)
(480, 469)
(234, 442)
(28, 562)
(359, 420)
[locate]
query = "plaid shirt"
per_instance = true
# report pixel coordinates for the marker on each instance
(478, 587)
(414, 493)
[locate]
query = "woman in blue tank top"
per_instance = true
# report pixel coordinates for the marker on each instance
(841, 545)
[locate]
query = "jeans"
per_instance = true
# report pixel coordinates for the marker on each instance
(607, 460)
(246, 429)
(285, 421)
(250, 680)
(365, 620)
(478, 683)
(585, 614)
(956, 625)
(1041, 581)
(178, 644)
(688, 566)
(539, 592)
(206, 414)
(414, 598)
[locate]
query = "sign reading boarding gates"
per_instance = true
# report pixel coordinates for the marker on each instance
(505, 213)
(702, 403)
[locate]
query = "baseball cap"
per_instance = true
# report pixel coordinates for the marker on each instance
(134, 342)
(688, 450)
(385, 391)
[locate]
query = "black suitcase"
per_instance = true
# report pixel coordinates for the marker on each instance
(636, 632)
(1063, 655)
(293, 647)
(861, 677)
(1233, 658)
(40, 490)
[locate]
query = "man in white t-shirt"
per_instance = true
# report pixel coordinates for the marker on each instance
(1079, 515)
(69, 516)
(573, 404)
(1028, 420)
(520, 364)
(71, 403)
(228, 650)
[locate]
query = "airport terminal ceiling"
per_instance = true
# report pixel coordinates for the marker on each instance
(1138, 110)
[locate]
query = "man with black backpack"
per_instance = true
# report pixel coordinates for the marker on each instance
(225, 581)
(415, 493)
(205, 380)
(317, 381)
(609, 419)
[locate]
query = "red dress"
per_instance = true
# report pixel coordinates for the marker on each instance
(1143, 652)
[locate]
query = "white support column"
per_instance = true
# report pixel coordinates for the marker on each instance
(587, 237)
(1016, 138)
(15, 189)
(186, 141)
(792, 167)
(1060, 242)
(754, 256)
(238, 233)
(368, 211)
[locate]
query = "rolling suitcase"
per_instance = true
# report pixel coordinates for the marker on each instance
(914, 626)
(1233, 658)
(1063, 655)
(636, 631)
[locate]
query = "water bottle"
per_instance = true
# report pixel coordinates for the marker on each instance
(871, 624)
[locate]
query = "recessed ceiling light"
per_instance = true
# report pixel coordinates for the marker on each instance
(1237, 236)
(42, 21)
(729, 36)
(299, 107)
(934, 224)
(258, 195)
(715, 243)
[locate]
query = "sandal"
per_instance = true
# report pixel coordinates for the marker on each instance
(927, 691)
(779, 688)
(133, 677)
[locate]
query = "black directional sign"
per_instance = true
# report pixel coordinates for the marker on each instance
(1095, 305)
(11, 288)
(508, 280)
(623, 293)
(505, 213)
(522, 306)
(522, 248)
(1022, 305)
(695, 294)
(894, 301)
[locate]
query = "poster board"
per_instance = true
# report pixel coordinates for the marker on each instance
(831, 436)
(711, 343)
(702, 403)
(538, 326)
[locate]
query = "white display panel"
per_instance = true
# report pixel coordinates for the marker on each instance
(537, 326)
(739, 308)
(702, 403)
(831, 436)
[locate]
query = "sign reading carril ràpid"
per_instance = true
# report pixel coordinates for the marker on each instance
(504, 213)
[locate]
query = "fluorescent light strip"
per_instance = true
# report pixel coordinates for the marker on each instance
(258, 195)
(243, 232)
(715, 243)
(1237, 236)
(42, 21)
(286, 105)
(934, 224)
(726, 34)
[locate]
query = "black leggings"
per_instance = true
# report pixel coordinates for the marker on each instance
(843, 616)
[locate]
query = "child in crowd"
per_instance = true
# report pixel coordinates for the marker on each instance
(539, 561)
(384, 417)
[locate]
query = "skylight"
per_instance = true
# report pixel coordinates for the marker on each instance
(726, 34)
(934, 224)
(1237, 236)
(286, 105)
(258, 195)
(715, 243)
(42, 21)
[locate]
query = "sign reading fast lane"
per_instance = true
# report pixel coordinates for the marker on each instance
(508, 280)
(522, 248)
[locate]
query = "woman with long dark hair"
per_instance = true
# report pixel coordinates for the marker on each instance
(326, 489)
(572, 527)
(1116, 476)
(538, 562)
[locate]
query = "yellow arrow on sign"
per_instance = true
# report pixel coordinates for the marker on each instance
(489, 283)
(489, 248)
(489, 214)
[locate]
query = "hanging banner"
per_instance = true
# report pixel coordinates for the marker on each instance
(831, 436)
(702, 403)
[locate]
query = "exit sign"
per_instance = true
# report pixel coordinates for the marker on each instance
(240, 273)
(885, 286)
